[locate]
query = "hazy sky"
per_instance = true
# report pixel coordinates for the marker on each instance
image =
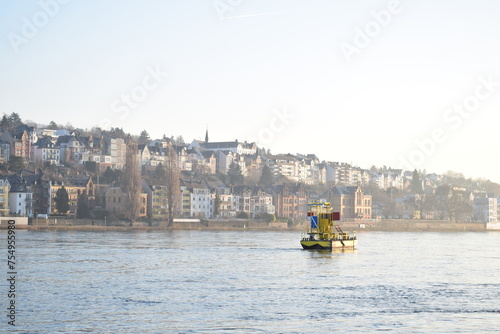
(408, 84)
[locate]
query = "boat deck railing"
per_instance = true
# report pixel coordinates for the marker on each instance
(335, 236)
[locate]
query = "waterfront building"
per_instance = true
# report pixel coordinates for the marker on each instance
(486, 209)
(116, 200)
(351, 202)
(4, 196)
(21, 200)
(290, 201)
(159, 202)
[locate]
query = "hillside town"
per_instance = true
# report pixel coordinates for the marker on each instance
(53, 170)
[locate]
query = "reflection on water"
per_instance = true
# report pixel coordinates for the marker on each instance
(246, 282)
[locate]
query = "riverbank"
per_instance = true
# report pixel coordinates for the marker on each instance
(402, 225)
(245, 224)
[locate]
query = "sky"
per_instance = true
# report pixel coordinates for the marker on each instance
(412, 84)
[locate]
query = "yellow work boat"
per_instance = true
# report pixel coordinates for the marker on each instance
(323, 233)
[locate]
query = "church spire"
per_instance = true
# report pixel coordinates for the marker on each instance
(206, 136)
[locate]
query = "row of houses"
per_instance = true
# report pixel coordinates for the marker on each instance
(30, 193)
(109, 151)
(62, 146)
(209, 199)
(444, 202)
(18, 142)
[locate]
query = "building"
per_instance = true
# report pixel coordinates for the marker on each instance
(233, 146)
(290, 201)
(209, 162)
(226, 207)
(102, 161)
(200, 197)
(71, 148)
(4, 196)
(182, 160)
(46, 151)
(393, 178)
(351, 202)
(308, 168)
(41, 191)
(326, 174)
(144, 155)
(73, 193)
(75, 187)
(117, 201)
(30, 130)
(342, 173)
(286, 165)
(21, 200)
(224, 160)
(155, 155)
(116, 148)
(21, 145)
(252, 200)
(486, 210)
(88, 185)
(21, 194)
(159, 202)
(4, 151)
(6, 143)
(201, 203)
(185, 202)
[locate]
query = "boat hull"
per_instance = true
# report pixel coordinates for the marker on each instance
(329, 244)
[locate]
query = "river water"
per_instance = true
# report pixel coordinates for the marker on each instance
(253, 282)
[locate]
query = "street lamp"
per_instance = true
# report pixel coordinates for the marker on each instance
(104, 220)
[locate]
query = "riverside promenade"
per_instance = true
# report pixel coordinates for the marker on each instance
(402, 225)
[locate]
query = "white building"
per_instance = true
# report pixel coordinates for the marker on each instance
(486, 210)
(233, 146)
(46, 151)
(201, 203)
(117, 149)
(224, 160)
(283, 164)
(253, 201)
(226, 205)
(21, 201)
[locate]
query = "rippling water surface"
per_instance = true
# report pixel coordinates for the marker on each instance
(252, 282)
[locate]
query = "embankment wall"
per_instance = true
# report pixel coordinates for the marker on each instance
(246, 224)
(414, 225)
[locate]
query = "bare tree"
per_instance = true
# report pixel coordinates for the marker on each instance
(132, 180)
(171, 179)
